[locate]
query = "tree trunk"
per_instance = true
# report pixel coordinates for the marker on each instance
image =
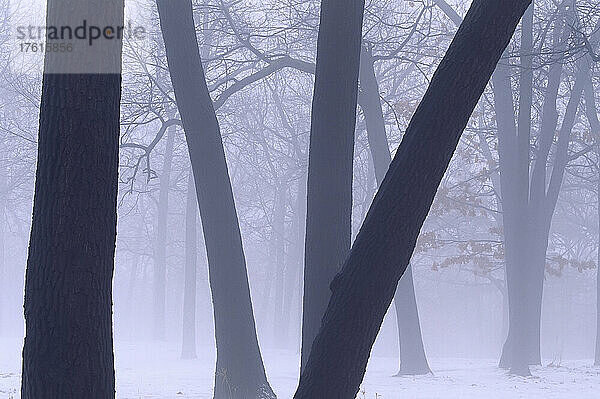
(363, 290)
(188, 346)
(412, 354)
(279, 210)
(160, 254)
(3, 271)
(592, 116)
(410, 342)
(597, 351)
(68, 349)
(240, 373)
(329, 202)
(295, 305)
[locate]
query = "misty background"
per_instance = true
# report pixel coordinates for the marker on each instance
(257, 57)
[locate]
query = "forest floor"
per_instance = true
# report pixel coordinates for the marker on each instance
(147, 370)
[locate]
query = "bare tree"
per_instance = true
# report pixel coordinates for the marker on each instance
(329, 201)
(360, 294)
(68, 350)
(239, 372)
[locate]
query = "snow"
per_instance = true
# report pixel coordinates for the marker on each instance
(150, 370)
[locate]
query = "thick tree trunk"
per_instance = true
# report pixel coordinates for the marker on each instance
(68, 348)
(363, 290)
(240, 373)
(188, 346)
(160, 254)
(329, 203)
(410, 341)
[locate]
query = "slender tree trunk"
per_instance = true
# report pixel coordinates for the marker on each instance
(542, 210)
(412, 354)
(363, 290)
(68, 349)
(279, 211)
(329, 203)
(240, 373)
(3, 272)
(300, 233)
(592, 116)
(410, 342)
(292, 268)
(162, 225)
(188, 346)
(597, 351)
(3, 269)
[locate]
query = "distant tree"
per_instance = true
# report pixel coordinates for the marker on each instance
(188, 346)
(363, 290)
(160, 249)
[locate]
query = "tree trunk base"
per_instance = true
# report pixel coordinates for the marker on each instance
(420, 370)
(189, 356)
(521, 371)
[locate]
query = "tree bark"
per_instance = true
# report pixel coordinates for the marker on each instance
(188, 346)
(68, 348)
(329, 189)
(413, 360)
(363, 290)
(240, 373)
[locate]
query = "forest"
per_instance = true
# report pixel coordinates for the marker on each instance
(322, 199)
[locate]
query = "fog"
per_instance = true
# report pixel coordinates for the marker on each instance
(519, 201)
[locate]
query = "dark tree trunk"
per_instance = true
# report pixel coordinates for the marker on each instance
(240, 373)
(410, 342)
(329, 203)
(363, 290)
(68, 348)
(160, 255)
(188, 346)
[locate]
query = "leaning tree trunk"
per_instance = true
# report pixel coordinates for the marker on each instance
(413, 360)
(240, 373)
(363, 290)
(68, 350)
(188, 346)
(329, 189)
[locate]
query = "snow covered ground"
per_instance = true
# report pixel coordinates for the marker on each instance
(146, 370)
